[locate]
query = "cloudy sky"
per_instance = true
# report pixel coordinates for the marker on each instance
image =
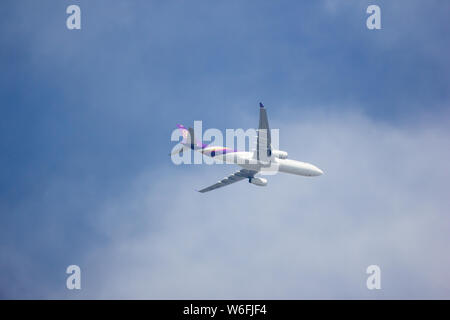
(86, 120)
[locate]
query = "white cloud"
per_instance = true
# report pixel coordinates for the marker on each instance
(383, 200)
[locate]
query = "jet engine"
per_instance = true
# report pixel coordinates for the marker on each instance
(258, 181)
(280, 154)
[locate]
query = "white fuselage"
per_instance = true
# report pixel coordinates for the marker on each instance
(247, 160)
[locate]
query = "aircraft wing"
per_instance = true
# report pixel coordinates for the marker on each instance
(235, 177)
(263, 144)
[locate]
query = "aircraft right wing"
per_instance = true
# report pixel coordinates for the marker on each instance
(264, 143)
(235, 177)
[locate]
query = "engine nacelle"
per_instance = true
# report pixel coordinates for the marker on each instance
(258, 181)
(280, 154)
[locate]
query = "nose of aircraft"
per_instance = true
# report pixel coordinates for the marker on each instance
(316, 171)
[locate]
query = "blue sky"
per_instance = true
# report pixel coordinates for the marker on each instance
(85, 131)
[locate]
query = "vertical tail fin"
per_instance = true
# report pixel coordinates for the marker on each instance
(184, 133)
(189, 138)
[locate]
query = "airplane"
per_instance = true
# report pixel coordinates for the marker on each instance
(251, 162)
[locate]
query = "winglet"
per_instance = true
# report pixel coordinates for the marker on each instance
(261, 105)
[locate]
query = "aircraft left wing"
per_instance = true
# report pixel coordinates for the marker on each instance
(235, 177)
